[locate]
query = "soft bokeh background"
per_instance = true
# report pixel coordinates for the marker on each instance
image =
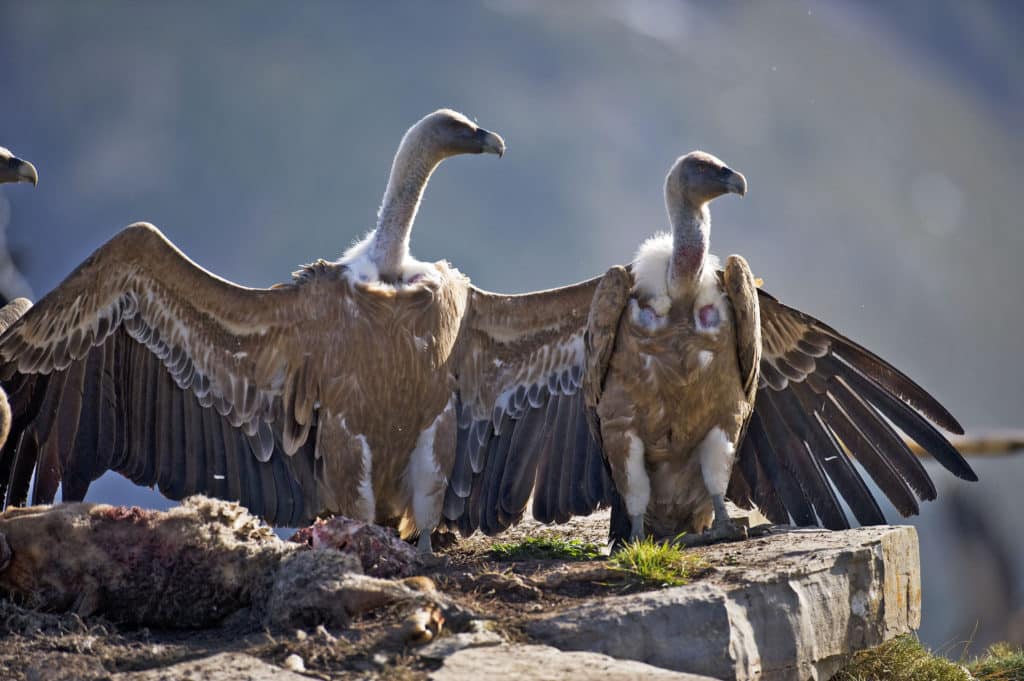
(882, 143)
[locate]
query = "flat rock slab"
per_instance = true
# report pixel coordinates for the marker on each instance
(223, 667)
(544, 663)
(787, 607)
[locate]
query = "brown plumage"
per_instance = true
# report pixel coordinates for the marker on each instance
(688, 369)
(333, 393)
(679, 382)
(519, 366)
(367, 387)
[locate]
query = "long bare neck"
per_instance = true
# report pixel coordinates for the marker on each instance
(410, 172)
(691, 227)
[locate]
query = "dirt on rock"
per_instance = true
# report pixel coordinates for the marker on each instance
(469, 591)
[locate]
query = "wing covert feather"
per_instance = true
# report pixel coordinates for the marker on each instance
(609, 302)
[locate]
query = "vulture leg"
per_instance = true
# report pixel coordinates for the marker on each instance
(716, 458)
(625, 451)
(427, 476)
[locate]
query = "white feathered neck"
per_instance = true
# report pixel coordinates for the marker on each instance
(650, 271)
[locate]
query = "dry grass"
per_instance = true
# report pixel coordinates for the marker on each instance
(905, 659)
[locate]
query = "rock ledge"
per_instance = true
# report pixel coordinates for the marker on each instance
(799, 604)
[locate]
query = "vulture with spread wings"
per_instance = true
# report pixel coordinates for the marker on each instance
(696, 386)
(351, 389)
(333, 393)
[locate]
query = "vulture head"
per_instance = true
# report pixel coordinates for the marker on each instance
(447, 133)
(700, 177)
(13, 169)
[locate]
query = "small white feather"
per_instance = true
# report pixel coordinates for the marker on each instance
(638, 484)
(716, 458)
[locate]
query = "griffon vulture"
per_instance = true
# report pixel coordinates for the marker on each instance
(333, 393)
(12, 170)
(685, 365)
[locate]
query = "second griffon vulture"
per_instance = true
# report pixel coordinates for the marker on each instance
(339, 392)
(12, 170)
(689, 369)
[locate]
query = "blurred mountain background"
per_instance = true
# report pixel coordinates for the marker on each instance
(882, 143)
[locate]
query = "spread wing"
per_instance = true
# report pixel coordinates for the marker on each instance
(522, 417)
(144, 363)
(821, 399)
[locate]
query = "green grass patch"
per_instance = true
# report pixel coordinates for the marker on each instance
(905, 659)
(657, 562)
(543, 548)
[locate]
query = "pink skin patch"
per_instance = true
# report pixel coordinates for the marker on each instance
(708, 317)
(415, 278)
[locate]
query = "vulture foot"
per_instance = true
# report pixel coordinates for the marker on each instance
(721, 530)
(636, 527)
(425, 555)
(433, 561)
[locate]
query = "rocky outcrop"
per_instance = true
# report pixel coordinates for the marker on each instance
(792, 610)
(790, 606)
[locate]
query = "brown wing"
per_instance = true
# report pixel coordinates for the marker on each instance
(144, 363)
(522, 419)
(821, 398)
(741, 289)
(609, 302)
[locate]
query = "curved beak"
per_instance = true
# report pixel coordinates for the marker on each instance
(735, 183)
(490, 142)
(18, 170)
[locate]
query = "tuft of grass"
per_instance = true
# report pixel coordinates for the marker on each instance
(656, 562)
(1001, 662)
(905, 659)
(545, 547)
(900, 659)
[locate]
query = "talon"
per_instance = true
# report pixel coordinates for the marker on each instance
(725, 530)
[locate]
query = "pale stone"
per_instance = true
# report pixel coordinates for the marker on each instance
(798, 605)
(448, 645)
(223, 667)
(544, 663)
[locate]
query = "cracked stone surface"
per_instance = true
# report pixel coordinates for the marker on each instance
(799, 604)
(544, 663)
